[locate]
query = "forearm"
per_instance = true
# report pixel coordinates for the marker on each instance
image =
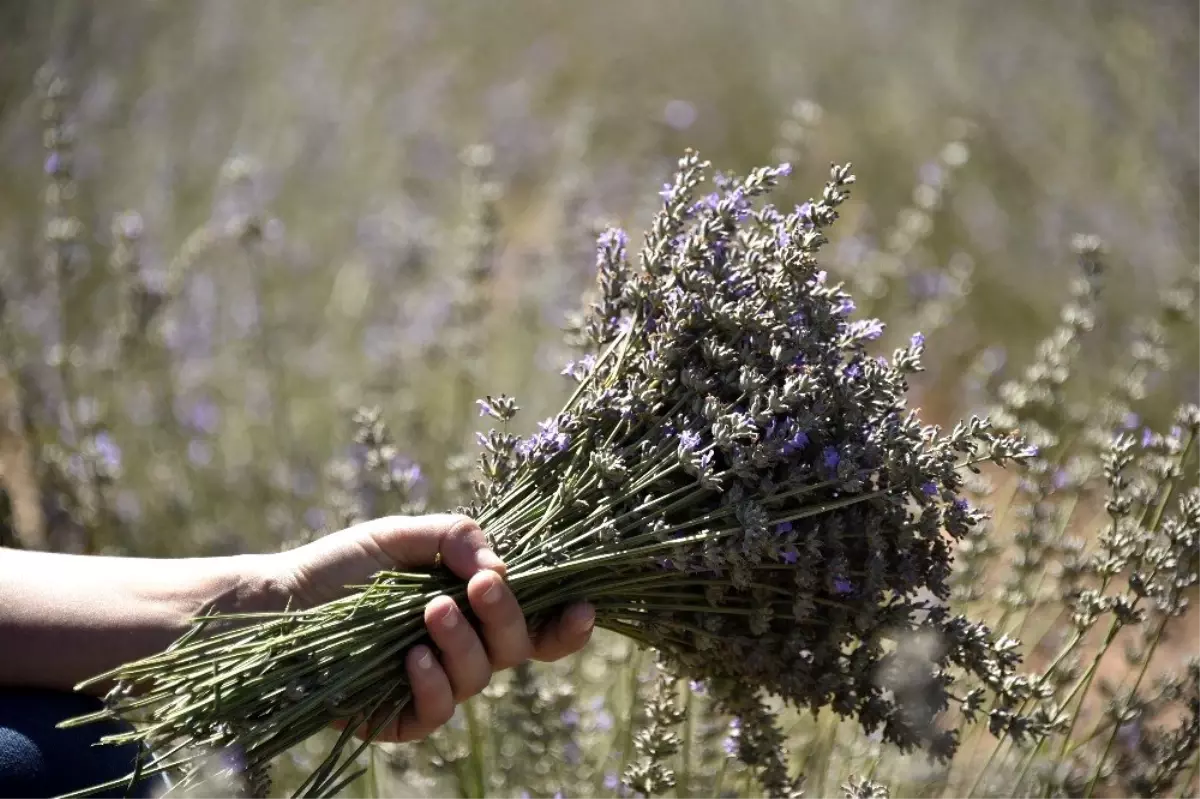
(65, 618)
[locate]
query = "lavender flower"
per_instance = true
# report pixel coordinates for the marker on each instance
(865, 329)
(725, 331)
(830, 457)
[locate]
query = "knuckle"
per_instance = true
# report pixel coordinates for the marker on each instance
(463, 528)
(498, 623)
(461, 642)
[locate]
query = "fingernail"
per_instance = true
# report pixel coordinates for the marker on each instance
(493, 592)
(487, 559)
(450, 620)
(424, 659)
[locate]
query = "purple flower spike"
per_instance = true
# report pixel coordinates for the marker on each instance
(689, 441)
(614, 238)
(790, 556)
(831, 458)
(796, 443)
(928, 489)
(783, 528)
(918, 340)
(485, 408)
(869, 329)
(842, 586)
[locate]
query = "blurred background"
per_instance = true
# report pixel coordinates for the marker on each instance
(226, 225)
(984, 136)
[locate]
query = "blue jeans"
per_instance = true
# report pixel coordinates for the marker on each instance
(37, 759)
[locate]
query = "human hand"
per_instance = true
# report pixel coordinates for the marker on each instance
(319, 572)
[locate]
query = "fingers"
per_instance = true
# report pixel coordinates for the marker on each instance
(433, 696)
(565, 635)
(432, 700)
(463, 656)
(416, 541)
(465, 666)
(503, 624)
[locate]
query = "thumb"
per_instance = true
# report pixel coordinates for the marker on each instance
(322, 570)
(416, 541)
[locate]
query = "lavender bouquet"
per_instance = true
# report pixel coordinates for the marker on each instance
(734, 482)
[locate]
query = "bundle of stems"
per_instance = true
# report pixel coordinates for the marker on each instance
(734, 482)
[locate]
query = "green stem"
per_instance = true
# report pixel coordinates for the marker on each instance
(631, 717)
(1132, 692)
(372, 774)
(689, 733)
(476, 758)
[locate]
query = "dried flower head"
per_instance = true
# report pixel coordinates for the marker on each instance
(734, 482)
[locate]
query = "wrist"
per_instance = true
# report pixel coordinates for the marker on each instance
(242, 584)
(170, 594)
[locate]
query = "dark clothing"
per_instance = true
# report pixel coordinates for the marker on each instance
(39, 760)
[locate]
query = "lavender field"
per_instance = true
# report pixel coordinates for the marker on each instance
(258, 261)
